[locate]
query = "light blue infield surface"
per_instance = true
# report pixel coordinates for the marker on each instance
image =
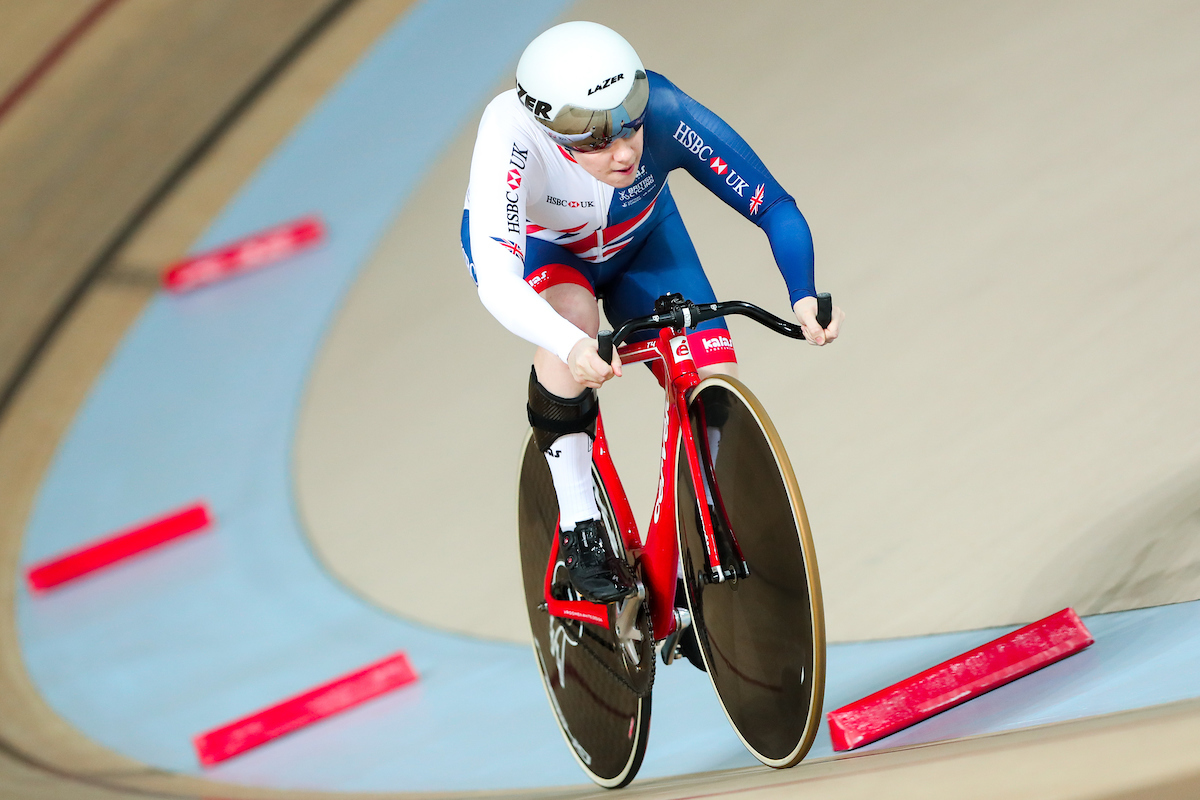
(200, 401)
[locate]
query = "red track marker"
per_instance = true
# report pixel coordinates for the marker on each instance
(122, 545)
(244, 255)
(304, 709)
(963, 677)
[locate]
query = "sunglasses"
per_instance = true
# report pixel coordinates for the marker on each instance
(603, 143)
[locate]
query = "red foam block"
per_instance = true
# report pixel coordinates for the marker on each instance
(122, 545)
(244, 255)
(963, 677)
(304, 709)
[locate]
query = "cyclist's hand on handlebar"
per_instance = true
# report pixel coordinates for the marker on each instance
(806, 314)
(588, 368)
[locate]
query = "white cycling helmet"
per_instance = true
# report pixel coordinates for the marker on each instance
(584, 83)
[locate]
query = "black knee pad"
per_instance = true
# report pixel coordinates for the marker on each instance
(552, 416)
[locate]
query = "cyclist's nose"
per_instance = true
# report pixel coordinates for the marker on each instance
(623, 154)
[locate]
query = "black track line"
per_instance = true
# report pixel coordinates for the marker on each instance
(94, 271)
(182, 167)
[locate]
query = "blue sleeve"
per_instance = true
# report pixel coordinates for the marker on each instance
(682, 133)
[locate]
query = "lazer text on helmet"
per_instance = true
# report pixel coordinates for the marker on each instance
(607, 83)
(540, 108)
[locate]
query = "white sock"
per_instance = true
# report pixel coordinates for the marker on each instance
(570, 460)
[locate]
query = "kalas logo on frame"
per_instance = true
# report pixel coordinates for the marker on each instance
(717, 343)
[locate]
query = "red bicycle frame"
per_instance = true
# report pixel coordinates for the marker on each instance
(659, 556)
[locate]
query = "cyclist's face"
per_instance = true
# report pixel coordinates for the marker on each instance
(617, 164)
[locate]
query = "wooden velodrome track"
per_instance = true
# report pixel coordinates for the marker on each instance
(117, 157)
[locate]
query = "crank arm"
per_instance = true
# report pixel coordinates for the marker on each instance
(626, 624)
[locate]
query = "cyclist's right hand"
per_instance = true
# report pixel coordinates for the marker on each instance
(588, 368)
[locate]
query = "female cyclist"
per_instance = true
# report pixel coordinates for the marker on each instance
(568, 204)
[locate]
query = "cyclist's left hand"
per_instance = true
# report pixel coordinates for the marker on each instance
(587, 368)
(806, 313)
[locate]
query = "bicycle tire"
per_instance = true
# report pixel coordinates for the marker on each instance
(599, 698)
(762, 637)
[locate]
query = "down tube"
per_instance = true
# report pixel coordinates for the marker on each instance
(660, 564)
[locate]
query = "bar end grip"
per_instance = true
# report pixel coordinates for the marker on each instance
(824, 309)
(605, 350)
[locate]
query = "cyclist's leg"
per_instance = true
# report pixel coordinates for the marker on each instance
(564, 282)
(563, 415)
(576, 303)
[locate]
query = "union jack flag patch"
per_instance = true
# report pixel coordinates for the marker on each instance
(757, 200)
(511, 247)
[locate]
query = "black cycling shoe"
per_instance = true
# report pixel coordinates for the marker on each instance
(597, 573)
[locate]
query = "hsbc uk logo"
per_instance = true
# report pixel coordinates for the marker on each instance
(517, 160)
(558, 201)
(695, 144)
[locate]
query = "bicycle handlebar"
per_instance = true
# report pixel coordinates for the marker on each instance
(685, 314)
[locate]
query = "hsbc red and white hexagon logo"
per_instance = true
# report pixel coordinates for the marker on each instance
(514, 179)
(718, 166)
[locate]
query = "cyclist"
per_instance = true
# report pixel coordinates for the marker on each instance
(568, 203)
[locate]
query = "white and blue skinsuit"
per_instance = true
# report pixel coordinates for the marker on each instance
(534, 218)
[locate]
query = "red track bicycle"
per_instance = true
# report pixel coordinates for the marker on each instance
(733, 525)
